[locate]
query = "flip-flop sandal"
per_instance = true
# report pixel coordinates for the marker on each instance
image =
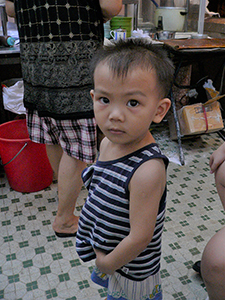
(197, 267)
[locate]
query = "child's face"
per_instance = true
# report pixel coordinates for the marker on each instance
(125, 107)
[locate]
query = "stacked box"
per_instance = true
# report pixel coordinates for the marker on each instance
(200, 118)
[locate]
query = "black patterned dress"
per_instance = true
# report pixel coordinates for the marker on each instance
(57, 40)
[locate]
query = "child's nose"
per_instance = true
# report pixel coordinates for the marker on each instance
(116, 114)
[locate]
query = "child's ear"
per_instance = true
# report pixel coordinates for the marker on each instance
(163, 107)
(92, 94)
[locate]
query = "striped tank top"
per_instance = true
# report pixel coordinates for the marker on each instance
(104, 220)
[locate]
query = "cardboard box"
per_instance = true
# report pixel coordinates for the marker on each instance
(200, 118)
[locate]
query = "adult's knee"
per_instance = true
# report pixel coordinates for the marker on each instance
(219, 175)
(213, 259)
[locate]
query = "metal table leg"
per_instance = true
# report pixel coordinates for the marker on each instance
(135, 16)
(177, 125)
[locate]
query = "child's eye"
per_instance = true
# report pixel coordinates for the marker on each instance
(133, 103)
(104, 100)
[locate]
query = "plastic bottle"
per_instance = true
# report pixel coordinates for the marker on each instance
(7, 41)
(160, 23)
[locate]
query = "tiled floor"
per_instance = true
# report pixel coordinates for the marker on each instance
(34, 264)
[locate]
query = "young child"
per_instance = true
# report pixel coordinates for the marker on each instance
(121, 222)
(213, 258)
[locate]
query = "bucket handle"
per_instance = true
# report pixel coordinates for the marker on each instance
(16, 155)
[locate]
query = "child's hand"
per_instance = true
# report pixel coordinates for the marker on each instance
(101, 262)
(217, 158)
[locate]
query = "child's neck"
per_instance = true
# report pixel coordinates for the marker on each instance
(112, 151)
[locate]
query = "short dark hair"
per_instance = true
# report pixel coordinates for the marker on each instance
(122, 56)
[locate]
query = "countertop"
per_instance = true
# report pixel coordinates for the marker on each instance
(9, 50)
(196, 44)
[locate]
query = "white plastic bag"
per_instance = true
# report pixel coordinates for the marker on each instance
(140, 34)
(13, 98)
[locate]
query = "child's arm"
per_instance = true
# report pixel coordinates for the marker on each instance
(146, 188)
(217, 158)
(110, 8)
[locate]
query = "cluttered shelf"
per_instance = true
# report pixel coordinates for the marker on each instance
(199, 53)
(9, 68)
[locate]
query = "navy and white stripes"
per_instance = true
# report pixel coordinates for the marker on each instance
(104, 220)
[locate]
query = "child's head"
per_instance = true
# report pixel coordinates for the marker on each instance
(124, 56)
(131, 82)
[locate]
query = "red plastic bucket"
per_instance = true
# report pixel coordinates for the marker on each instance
(25, 163)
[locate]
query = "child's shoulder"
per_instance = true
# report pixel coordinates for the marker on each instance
(150, 174)
(152, 163)
(151, 152)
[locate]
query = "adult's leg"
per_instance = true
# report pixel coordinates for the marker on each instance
(213, 266)
(220, 182)
(54, 153)
(213, 258)
(69, 187)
